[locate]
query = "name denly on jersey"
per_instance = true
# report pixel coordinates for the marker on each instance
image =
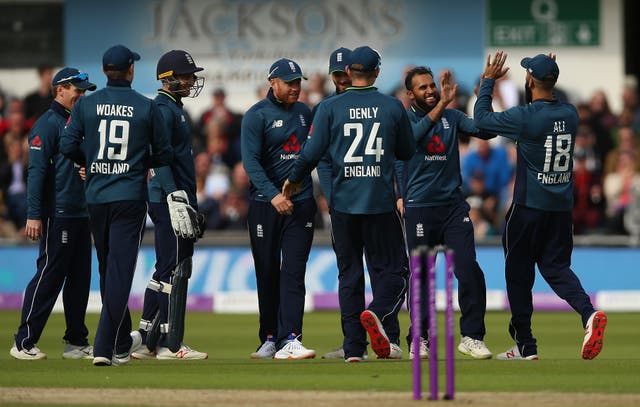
(109, 168)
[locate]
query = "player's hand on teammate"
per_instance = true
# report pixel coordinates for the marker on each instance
(184, 219)
(83, 173)
(289, 189)
(282, 204)
(33, 229)
(400, 206)
(447, 89)
(495, 69)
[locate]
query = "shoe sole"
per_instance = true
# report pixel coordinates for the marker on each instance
(469, 353)
(77, 357)
(593, 346)
(142, 356)
(379, 341)
(296, 358)
(20, 356)
(101, 361)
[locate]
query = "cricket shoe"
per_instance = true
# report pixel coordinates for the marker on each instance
(395, 352)
(424, 349)
(77, 351)
(474, 348)
(593, 335)
(101, 361)
(514, 354)
(338, 353)
(294, 349)
(123, 358)
(378, 337)
(354, 359)
(184, 353)
(144, 354)
(27, 354)
(267, 350)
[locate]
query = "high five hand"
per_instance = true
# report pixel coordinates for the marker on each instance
(495, 69)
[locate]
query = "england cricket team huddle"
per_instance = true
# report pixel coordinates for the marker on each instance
(100, 163)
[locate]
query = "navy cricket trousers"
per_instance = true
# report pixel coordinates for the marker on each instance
(170, 250)
(117, 229)
(64, 259)
(280, 245)
(545, 238)
(450, 225)
(380, 236)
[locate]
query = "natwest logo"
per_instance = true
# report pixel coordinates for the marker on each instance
(435, 146)
(291, 145)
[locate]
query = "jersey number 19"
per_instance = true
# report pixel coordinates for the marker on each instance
(118, 135)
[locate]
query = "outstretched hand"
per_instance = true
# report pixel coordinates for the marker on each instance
(447, 89)
(495, 69)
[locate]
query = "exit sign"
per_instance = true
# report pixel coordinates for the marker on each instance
(543, 22)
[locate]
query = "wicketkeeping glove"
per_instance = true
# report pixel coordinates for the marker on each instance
(184, 219)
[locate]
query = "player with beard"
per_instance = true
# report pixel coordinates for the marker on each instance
(435, 210)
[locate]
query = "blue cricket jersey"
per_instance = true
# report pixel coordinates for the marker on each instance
(182, 167)
(54, 186)
(432, 176)
(113, 132)
(271, 138)
(364, 132)
(544, 131)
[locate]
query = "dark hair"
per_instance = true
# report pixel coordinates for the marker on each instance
(371, 75)
(418, 70)
(42, 68)
(117, 74)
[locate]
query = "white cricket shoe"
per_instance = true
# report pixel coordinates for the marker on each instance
(424, 349)
(184, 353)
(144, 354)
(474, 348)
(27, 354)
(77, 352)
(514, 354)
(395, 352)
(136, 341)
(338, 353)
(265, 351)
(101, 361)
(593, 335)
(294, 349)
(354, 359)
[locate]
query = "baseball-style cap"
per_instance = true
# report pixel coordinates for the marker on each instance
(541, 66)
(119, 57)
(364, 59)
(338, 60)
(176, 62)
(73, 76)
(285, 69)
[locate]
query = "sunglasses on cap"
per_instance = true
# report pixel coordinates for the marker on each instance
(81, 77)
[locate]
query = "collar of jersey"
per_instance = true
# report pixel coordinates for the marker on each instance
(119, 83)
(418, 110)
(170, 96)
(360, 87)
(61, 110)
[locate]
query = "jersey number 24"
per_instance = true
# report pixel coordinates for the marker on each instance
(369, 149)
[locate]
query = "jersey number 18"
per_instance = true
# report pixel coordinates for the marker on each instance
(558, 152)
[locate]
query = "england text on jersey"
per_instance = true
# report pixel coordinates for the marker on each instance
(109, 168)
(114, 110)
(362, 171)
(552, 179)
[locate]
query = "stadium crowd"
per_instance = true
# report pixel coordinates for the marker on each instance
(606, 159)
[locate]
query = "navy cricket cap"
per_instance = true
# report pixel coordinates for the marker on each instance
(541, 67)
(118, 58)
(338, 60)
(285, 69)
(176, 62)
(364, 59)
(73, 76)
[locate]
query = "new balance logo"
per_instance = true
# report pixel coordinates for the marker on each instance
(309, 225)
(277, 123)
(466, 219)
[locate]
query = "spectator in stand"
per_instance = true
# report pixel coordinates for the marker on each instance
(13, 181)
(618, 190)
(601, 111)
(626, 142)
(603, 141)
(315, 89)
(230, 122)
(234, 207)
(13, 126)
(38, 102)
(588, 200)
(585, 146)
(630, 104)
(490, 162)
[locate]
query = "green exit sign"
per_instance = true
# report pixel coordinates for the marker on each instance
(543, 22)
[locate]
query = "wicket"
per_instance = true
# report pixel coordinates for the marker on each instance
(421, 258)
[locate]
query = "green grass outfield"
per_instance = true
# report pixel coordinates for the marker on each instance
(230, 338)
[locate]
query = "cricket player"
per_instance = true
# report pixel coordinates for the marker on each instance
(364, 132)
(538, 226)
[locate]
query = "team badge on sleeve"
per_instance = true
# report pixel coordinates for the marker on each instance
(36, 143)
